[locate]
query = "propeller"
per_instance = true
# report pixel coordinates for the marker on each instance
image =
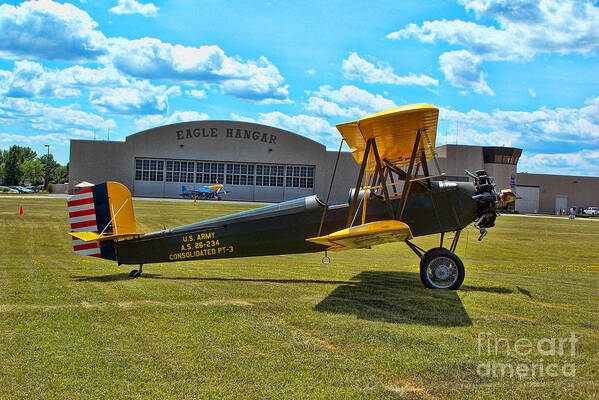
(488, 200)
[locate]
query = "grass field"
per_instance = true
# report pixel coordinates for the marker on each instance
(288, 326)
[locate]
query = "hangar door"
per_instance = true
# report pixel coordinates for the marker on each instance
(529, 203)
(561, 204)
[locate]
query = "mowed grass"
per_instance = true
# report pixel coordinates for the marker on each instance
(289, 326)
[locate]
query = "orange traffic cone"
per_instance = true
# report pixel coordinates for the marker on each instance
(20, 209)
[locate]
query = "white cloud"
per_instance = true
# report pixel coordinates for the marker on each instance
(355, 67)
(135, 7)
(41, 116)
(57, 138)
(525, 28)
(560, 125)
(532, 93)
(48, 30)
(310, 72)
(584, 162)
(152, 121)
(149, 58)
(139, 98)
(109, 90)
(197, 94)
(462, 69)
(315, 128)
(264, 85)
(357, 102)
(31, 79)
(329, 109)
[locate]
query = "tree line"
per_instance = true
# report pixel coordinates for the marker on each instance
(20, 164)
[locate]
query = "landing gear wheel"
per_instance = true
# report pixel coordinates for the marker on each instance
(134, 273)
(441, 269)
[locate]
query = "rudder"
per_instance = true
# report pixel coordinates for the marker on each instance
(103, 210)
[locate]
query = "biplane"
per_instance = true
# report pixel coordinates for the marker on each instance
(395, 199)
(212, 192)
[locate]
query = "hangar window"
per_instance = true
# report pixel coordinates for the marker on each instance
(270, 175)
(208, 173)
(149, 170)
(501, 155)
(302, 177)
(240, 174)
(187, 171)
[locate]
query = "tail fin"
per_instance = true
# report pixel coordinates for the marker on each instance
(99, 215)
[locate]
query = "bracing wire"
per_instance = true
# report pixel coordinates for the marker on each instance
(326, 204)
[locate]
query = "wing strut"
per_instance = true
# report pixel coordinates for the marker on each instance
(404, 196)
(383, 178)
(358, 183)
(326, 205)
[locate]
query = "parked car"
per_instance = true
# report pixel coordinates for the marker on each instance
(591, 211)
(6, 189)
(21, 189)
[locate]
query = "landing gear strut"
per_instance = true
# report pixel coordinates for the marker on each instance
(440, 268)
(136, 272)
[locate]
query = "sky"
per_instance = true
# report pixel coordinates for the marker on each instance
(521, 73)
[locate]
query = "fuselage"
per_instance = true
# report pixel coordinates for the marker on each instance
(283, 228)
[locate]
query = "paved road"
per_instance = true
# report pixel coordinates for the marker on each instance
(202, 201)
(64, 196)
(34, 196)
(547, 216)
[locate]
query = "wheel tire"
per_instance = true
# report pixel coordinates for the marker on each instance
(441, 254)
(134, 273)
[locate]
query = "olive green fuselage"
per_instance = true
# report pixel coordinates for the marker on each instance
(283, 228)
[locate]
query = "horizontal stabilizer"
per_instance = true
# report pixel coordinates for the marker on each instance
(365, 235)
(99, 237)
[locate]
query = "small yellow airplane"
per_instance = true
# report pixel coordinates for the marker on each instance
(395, 199)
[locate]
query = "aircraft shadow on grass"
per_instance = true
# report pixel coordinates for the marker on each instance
(125, 276)
(396, 297)
(108, 278)
(386, 296)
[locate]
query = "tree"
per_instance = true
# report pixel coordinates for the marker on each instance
(60, 174)
(26, 153)
(33, 171)
(13, 158)
(3, 154)
(49, 164)
(12, 167)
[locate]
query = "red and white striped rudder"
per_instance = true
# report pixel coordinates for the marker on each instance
(82, 215)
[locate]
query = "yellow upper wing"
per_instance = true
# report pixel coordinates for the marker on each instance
(395, 132)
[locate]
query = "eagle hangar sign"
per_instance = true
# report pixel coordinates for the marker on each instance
(233, 133)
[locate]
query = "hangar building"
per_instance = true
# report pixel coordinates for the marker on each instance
(261, 163)
(255, 162)
(539, 193)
